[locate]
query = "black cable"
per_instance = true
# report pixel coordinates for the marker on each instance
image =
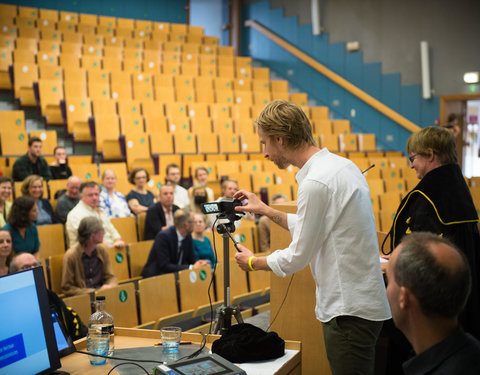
(117, 358)
(128, 363)
(198, 351)
(281, 305)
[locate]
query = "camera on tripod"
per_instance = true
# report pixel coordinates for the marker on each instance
(225, 209)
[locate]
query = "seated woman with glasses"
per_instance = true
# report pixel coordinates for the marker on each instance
(139, 198)
(22, 228)
(113, 202)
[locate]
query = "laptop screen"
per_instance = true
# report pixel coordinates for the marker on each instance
(27, 339)
(65, 344)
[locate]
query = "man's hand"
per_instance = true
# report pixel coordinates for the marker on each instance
(118, 243)
(105, 286)
(242, 257)
(253, 205)
(201, 263)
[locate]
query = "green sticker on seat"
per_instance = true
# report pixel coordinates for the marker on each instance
(21, 137)
(202, 274)
(123, 295)
(242, 238)
(88, 176)
(119, 257)
(142, 140)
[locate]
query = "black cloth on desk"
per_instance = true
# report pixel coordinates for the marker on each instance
(60, 172)
(441, 203)
(155, 220)
(459, 353)
(164, 255)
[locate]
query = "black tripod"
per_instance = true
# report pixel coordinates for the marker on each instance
(223, 320)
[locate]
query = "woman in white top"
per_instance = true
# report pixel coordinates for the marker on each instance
(113, 203)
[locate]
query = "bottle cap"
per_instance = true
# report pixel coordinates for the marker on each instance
(100, 298)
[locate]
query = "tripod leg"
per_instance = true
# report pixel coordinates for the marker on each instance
(238, 315)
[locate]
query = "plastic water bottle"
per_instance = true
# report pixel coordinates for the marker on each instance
(102, 321)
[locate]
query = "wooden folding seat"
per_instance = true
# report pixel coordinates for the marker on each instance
(205, 95)
(330, 141)
(137, 149)
(66, 27)
(395, 184)
(112, 63)
(386, 220)
(380, 162)
(226, 71)
(70, 17)
(319, 113)
(49, 140)
(243, 97)
(26, 31)
(391, 172)
(279, 86)
(14, 141)
(48, 14)
(121, 86)
(54, 186)
(348, 142)
(24, 76)
(87, 30)
(142, 87)
(133, 65)
(13, 120)
(91, 62)
(72, 37)
(200, 110)
(121, 303)
(389, 201)
(81, 304)
(225, 97)
(243, 72)
(376, 186)
(50, 95)
(160, 36)
(90, 49)
(250, 166)
(189, 67)
(177, 37)
(5, 62)
(157, 296)
(398, 161)
(132, 123)
(226, 167)
(242, 84)
(78, 111)
(193, 287)
(69, 60)
(24, 56)
(176, 109)
(220, 110)
(25, 44)
(261, 73)
(54, 271)
(250, 143)
(49, 46)
(99, 89)
(341, 126)
(201, 124)
(88, 19)
(245, 235)
(52, 239)
(224, 60)
(128, 107)
(207, 143)
(107, 21)
(223, 125)
(124, 33)
(229, 143)
(185, 143)
(106, 31)
(8, 10)
(262, 179)
(47, 58)
(85, 171)
(179, 124)
(208, 70)
(119, 262)
(107, 133)
(113, 51)
(114, 41)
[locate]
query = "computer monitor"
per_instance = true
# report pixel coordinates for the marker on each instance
(27, 338)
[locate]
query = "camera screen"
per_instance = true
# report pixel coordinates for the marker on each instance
(211, 208)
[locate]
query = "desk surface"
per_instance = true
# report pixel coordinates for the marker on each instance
(79, 364)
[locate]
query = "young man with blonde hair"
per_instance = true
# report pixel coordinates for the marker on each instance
(333, 231)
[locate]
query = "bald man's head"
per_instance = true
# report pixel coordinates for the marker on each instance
(434, 271)
(23, 261)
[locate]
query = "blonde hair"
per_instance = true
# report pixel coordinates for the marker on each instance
(441, 141)
(287, 120)
(28, 182)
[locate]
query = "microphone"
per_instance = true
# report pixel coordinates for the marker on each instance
(366, 170)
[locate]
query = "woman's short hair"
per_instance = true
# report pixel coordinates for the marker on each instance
(28, 182)
(87, 227)
(131, 177)
(19, 216)
(287, 120)
(441, 141)
(201, 168)
(196, 188)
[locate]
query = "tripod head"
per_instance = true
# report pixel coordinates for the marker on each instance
(225, 208)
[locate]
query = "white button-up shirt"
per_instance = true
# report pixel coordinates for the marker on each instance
(334, 232)
(82, 210)
(180, 197)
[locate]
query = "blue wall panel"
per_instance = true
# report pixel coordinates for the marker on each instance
(354, 67)
(158, 10)
(336, 58)
(411, 100)
(390, 93)
(372, 79)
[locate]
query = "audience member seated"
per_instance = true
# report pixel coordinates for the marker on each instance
(201, 178)
(5, 195)
(428, 284)
(59, 167)
(201, 244)
(74, 325)
(139, 198)
(160, 215)
(172, 250)
(31, 163)
(86, 266)
(264, 224)
(113, 202)
(198, 196)
(173, 177)
(21, 225)
(88, 206)
(70, 199)
(6, 251)
(32, 186)
(229, 188)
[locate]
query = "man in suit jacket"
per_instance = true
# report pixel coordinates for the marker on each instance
(172, 250)
(160, 215)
